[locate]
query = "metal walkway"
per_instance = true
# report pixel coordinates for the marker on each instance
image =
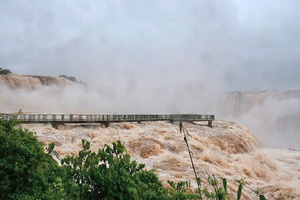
(56, 119)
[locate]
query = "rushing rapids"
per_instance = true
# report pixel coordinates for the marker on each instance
(226, 150)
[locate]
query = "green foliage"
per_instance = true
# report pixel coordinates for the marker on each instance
(239, 194)
(70, 78)
(110, 174)
(181, 191)
(219, 193)
(225, 184)
(26, 171)
(262, 197)
(4, 71)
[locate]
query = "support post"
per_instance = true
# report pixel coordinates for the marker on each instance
(56, 124)
(105, 124)
(210, 123)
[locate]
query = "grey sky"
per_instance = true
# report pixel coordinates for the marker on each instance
(187, 45)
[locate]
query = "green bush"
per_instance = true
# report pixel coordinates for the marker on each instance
(110, 174)
(26, 171)
(179, 191)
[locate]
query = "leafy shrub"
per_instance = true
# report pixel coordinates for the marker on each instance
(219, 193)
(181, 191)
(26, 171)
(109, 174)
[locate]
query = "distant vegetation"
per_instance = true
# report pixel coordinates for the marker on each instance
(28, 171)
(70, 78)
(4, 71)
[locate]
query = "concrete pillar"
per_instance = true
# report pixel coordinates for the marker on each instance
(56, 124)
(105, 124)
(210, 123)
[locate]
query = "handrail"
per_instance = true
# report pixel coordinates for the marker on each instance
(90, 118)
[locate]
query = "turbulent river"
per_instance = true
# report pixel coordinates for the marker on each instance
(226, 150)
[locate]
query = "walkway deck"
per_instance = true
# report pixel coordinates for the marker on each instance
(56, 119)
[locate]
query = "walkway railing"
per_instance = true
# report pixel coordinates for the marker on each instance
(88, 118)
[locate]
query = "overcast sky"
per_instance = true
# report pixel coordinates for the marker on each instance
(189, 44)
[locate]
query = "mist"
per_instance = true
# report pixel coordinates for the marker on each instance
(238, 45)
(152, 57)
(273, 116)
